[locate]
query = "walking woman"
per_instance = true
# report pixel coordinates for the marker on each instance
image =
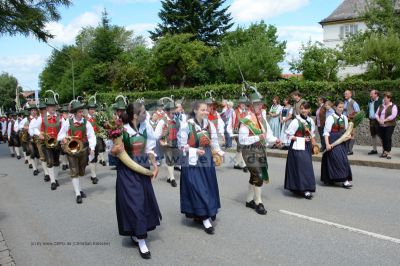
(199, 192)
(299, 174)
(386, 116)
(335, 165)
(136, 204)
(286, 118)
(274, 116)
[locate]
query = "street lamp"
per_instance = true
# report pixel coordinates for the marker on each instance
(72, 66)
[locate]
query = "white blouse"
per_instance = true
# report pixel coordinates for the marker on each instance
(329, 123)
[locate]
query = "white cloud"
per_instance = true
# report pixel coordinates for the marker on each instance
(25, 68)
(253, 10)
(65, 34)
(295, 37)
(141, 28)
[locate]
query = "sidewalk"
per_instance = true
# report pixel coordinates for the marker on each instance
(5, 256)
(360, 157)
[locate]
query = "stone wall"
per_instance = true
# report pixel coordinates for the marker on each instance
(363, 136)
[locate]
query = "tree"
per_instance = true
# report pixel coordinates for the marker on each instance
(255, 50)
(29, 17)
(8, 84)
(206, 20)
(378, 47)
(316, 62)
(177, 56)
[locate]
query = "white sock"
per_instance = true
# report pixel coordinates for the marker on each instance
(257, 194)
(45, 169)
(346, 183)
(93, 169)
(143, 246)
(56, 171)
(207, 223)
(75, 183)
(17, 151)
(34, 163)
(25, 156)
(100, 157)
(30, 161)
(250, 193)
(170, 172)
(51, 174)
(12, 150)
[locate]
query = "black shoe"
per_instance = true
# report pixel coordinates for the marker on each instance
(173, 183)
(177, 168)
(251, 205)
(350, 153)
(57, 183)
(104, 163)
(30, 166)
(95, 180)
(347, 186)
(209, 230)
(12, 155)
(64, 167)
(36, 172)
(245, 169)
(18, 157)
(372, 152)
(145, 255)
(100, 162)
(308, 196)
(53, 186)
(79, 199)
(83, 195)
(237, 167)
(260, 209)
(26, 162)
(46, 178)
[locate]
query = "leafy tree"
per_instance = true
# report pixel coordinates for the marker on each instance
(29, 17)
(255, 50)
(177, 57)
(206, 20)
(8, 84)
(381, 16)
(316, 62)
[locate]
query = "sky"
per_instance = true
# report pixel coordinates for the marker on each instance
(25, 57)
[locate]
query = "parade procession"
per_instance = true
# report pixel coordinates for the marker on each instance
(199, 132)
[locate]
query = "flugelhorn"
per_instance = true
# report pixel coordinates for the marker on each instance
(49, 141)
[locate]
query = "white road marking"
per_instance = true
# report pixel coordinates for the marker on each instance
(351, 229)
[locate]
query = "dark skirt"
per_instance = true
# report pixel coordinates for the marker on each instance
(335, 165)
(299, 174)
(136, 203)
(199, 188)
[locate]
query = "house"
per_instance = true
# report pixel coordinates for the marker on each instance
(343, 22)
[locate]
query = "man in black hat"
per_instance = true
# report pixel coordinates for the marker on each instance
(33, 150)
(78, 129)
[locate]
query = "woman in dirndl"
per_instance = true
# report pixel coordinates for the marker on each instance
(286, 118)
(335, 165)
(199, 194)
(299, 174)
(274, 117)
(136, 204)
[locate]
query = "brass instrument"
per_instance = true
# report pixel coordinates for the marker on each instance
(49, 141)
(24, 137)
(73, 146)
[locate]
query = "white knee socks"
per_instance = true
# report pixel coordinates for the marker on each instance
(45, 169)
(170, 172)
(239, 159)
(257, 194)
(51, 174)
(75, 183)
(34, 163)
(250, 193)
(93, 169)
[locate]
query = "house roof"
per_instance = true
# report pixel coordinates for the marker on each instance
(350, 9)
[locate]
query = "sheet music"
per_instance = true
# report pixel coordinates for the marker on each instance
(299, 144)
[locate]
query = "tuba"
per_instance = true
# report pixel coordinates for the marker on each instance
(49, 141)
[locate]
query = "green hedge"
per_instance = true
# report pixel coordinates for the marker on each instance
(310, 90)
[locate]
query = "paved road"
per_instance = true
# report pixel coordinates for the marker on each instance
(32, 214)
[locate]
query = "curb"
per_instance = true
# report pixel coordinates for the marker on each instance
(5, 255)
(318, 158)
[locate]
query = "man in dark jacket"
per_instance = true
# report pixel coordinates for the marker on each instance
(373, 105)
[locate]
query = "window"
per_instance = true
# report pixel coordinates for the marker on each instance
(347, 30)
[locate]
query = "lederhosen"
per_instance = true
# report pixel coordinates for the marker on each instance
(255, 155)
(52, 128)
(25, 143)
(14, 138)
(100, 145)
(170, 136)
(79, 161)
